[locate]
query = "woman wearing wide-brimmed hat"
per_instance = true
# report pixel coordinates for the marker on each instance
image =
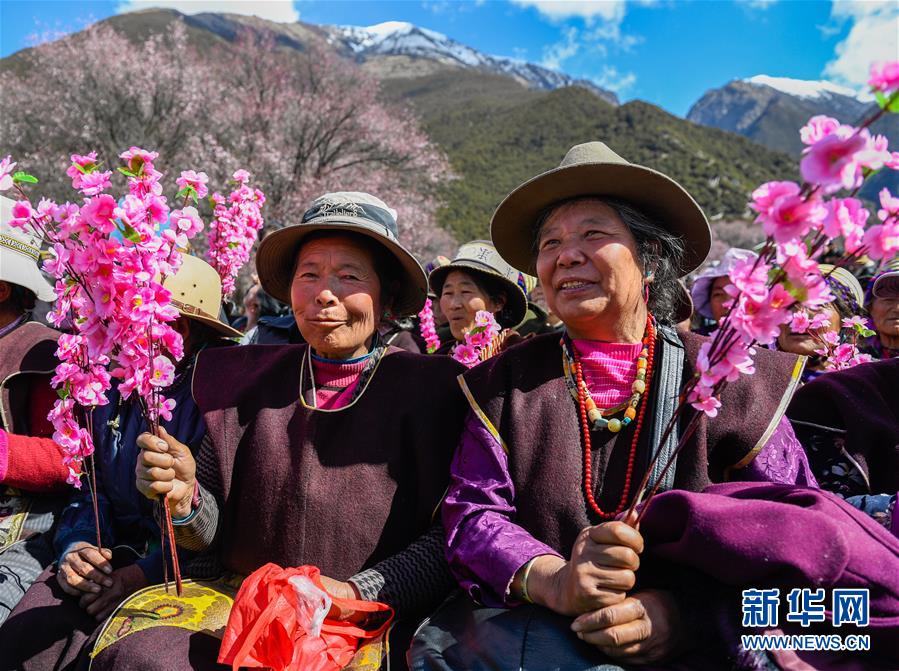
(608, 241)
(86, 584)
(477, 279)
(333, 453)
(708, 291)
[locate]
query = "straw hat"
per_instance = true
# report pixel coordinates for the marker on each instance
(342, 211)
(481, 258)
(197, 293)
(20, 251)
(845, 279)
(592, 169)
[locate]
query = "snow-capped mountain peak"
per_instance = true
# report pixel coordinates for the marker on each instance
(398, 38)
(801, 88)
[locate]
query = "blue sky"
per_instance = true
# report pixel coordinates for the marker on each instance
(668, 52)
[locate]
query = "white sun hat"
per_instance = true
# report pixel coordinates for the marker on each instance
(20, 253)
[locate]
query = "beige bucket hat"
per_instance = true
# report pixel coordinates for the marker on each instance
(342, 211)
(20, 253)
(481, 258)
(197, 294)
(592, 169)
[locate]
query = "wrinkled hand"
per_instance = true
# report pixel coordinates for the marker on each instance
(644, 628)
(85, 569)
(601, 570)
(125, 582)
(342, 590)
(166, 467)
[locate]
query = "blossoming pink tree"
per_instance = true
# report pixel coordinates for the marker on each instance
(317, 123)
(302, 123)
(800, 220)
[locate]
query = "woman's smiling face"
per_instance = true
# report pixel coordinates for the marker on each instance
(589, 269)
(336, 296)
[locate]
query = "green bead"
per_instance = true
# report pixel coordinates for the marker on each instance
(614, 425)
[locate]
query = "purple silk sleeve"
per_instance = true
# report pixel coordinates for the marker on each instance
(485, 548)
(781, 460)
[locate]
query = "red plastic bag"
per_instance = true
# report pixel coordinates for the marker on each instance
(279, 621)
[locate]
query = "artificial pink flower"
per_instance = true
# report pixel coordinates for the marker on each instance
(197, 180)
(876, 153)
(831, 337)
(854, 321)
(187, 221)
(466, 354)
(21, 214)
(706, 403)
(846, 218)
(799, 322)
(884, 76)
(87, 165)
(834, 161)
(99, 212)
(139, 161)
(882, 240)
(818, 127)
(784, 213)
(6, 171)
(889, 205)
(819, 321)
(163, 372)
(748, 276)
(95, 182)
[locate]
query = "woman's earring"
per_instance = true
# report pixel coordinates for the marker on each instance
(646, 293)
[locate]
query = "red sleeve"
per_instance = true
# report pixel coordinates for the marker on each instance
(42, 397)
(31, 463)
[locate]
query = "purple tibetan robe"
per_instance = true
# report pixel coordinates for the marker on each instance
(527, 499)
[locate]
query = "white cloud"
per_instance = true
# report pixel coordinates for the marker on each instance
(759, 4)
(611, 32)
(281, 11)
(613, 80)
(874, 36)
(589, 10)
(555, 54)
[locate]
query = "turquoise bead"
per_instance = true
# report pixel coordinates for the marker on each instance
(626, 421)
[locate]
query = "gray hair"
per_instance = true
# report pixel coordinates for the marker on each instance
(658, 250)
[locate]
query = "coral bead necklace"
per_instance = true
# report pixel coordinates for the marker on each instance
(596, 419)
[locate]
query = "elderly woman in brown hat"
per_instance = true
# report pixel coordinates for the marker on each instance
(561, 430)
(333, 453)
(477, 279)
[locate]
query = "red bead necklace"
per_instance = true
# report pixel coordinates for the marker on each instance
(649, 342)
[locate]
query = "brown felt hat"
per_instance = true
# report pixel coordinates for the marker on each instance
(592, 169)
